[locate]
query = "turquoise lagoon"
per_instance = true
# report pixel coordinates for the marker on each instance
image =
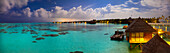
(88, 38)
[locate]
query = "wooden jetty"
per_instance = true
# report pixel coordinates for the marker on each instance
(160, 24)
(167, 32)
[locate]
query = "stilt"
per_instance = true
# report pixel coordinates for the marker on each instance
(140, 45)
(135, 46)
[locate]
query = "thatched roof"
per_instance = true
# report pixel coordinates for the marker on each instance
(156, 45)
(139, 25)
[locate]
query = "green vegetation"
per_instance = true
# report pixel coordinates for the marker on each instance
(120, 21)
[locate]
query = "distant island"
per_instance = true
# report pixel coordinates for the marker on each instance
(161, 19)
(117, 21)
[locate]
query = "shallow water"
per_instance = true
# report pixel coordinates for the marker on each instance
(18, 38)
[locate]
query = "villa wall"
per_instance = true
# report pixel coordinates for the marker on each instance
(147, 36)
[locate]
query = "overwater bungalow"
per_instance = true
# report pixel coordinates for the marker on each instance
(139, 32)
(156, 45)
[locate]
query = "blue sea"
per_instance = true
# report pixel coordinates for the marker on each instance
(88, 38)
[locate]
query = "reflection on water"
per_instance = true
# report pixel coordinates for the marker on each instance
(60, 38)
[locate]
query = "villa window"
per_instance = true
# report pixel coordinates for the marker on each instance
(137, 37)
(141, 34)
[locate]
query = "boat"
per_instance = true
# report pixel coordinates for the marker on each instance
(124, 27)
(119, 35)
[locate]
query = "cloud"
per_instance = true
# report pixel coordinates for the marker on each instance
(41, 13)
(130, 1)
(155, 3)
(58, 8)
(6, 5)
(83, 14)
(77, 12)
(14, 13)
(117, 8)
(108, 11)
(88, 6)
(27, 12)
(134, 13)
(58, 12)
(159, 6)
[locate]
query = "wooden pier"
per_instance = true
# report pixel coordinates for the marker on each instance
(167, 33)
(162, 24)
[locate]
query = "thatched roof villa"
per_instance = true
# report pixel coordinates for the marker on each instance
(139, 31)
(156, 45)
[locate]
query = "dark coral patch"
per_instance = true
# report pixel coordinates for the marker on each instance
(52, 35)
(34, 41)
(40, 38)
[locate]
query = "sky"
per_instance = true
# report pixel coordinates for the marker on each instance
(75, 10)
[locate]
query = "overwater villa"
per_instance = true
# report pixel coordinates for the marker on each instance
(139, 32)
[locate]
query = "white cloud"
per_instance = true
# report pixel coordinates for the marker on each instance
(27, 12)
(88, 6)
(15, 14)
(160, 7)
(109, 11)
(134, 13)
(58, 8)
(41, 13)
(130, 1)
(5, 5)
(80, 13)
(155, 3)
(58, 12)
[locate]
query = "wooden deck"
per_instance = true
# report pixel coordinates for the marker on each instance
(168, 24)
(167, 33)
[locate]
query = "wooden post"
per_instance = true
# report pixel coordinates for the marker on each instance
(141, 46)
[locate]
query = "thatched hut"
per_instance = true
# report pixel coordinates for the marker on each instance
(139, 31)
(156, 45)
